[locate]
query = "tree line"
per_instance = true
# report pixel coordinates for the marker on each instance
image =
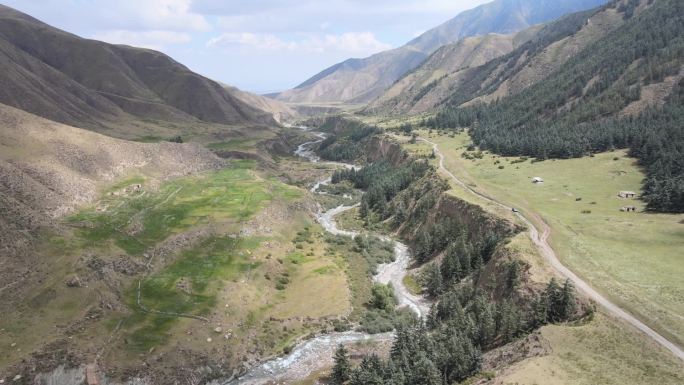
(447, 348)
(345, 139)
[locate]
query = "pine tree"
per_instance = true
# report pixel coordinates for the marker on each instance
(568, 305)
(363, 210)
(425, 372)
(487, 326)
(554, 304)
(396, 374)
(342, 370)
(370, 372)
(434, 280)
(540, 311)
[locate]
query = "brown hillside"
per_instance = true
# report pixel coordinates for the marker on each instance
(280, 110)
(90, 84)
(47, 169)
(427, 85)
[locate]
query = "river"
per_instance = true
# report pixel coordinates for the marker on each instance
(317, 353)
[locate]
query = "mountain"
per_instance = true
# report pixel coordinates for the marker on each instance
(534, 61)
(95, 85)
(423, 88)
(613, 80)
(280, 110)
(48, 169)
(539, 52)
(362, 80)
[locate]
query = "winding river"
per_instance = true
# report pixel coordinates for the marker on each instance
(317, 353)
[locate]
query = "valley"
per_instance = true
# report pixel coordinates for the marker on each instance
(499, 201)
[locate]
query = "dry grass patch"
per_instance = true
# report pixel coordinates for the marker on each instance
(604, 351)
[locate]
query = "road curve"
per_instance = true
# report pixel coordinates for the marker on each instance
(540, 240)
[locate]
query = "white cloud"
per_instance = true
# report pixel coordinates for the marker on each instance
(262, 41)
(277, 16)
(167, 14)
(134, 15)
(352, 42)
(147, 39)
(349, 42)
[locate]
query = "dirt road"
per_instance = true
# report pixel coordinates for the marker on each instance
(540, 240)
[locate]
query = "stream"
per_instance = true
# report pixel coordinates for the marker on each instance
(317, 353)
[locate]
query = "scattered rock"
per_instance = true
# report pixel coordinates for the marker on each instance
(209, 339)
(184, 285)
(13, 344)
(218, 329)
(74, 281)
(17, 378)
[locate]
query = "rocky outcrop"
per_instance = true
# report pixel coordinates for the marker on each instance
(383, 149)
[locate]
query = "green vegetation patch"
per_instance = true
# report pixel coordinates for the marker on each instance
(241, 144)
(325, 270)
(412, 285)
(187, 287)
(135, 222)
(297, 258)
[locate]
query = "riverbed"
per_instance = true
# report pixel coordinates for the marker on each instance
(317, 353)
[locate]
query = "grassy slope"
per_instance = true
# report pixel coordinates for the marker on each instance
(601, 352)
(231, 281)
(632, 258)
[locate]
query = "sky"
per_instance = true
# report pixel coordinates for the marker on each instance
(257, 45)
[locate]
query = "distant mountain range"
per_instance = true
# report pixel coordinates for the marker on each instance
(497, 65)
(424, 87)
(95, 85)
(362, 80)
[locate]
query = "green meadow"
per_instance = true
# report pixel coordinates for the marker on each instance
(202, 269)
(142, 219)
(634, 258)
(136, 221)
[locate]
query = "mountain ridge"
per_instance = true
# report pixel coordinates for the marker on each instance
(361, 80)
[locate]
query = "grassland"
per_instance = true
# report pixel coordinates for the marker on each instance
(235, 247)
(600, 352)
(241, 144)
(188, 286)
(260, 281)
(138, 220)
(633, 258)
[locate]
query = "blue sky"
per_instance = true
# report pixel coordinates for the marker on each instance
(257, 45)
